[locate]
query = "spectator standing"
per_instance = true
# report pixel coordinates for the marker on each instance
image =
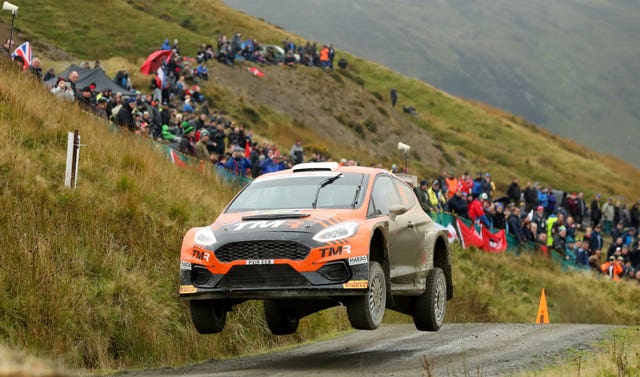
(453, 185)
(634, 215)
(202, 151)
(297, 153)
(551, 201)
(498, 217)
(73, 79)
(596, 242)
(530, 197)
(35, 68)
(238, 164)
(423, 196)
(394, 96)
(582, 210)
(458, 203)
(124, 117)
(559, 242)
(436, 196)
(514, 192)
(466, 183)
(271, 163)
(596, 211)
(539, 219)
(476, 210)
(608, 214)
(514, 224)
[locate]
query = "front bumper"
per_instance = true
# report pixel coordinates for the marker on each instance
(336, 278)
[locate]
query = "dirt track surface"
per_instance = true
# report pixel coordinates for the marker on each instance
(400, 350)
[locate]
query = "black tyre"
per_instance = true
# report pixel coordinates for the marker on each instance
(208, 316)
(430, 308)
(279, 319)
(366, 312)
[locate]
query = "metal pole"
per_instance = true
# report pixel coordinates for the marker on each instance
(74, 159)
(13, 19)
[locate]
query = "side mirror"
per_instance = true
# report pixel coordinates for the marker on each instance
(397, 210)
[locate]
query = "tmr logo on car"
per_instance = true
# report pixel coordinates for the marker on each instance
(251, 225)
(358, 260)
(202, 255)
(331, 251)
(356, 284)
(259, 261)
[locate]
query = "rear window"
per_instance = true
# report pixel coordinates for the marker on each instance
(299, 192)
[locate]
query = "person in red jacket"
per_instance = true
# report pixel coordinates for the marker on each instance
(466, 183)
(476, 210)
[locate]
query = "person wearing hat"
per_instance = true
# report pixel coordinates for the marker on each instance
(86, 100)
(238, 164)
(187, 141)
(559, 241)
(436, 196)
(124, 117)
(476, 210)
(613, 268)
(202, 149)
(423, 196)
(101, 106)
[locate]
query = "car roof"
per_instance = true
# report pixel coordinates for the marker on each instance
(320, 169)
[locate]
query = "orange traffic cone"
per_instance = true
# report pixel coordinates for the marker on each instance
(543, 313)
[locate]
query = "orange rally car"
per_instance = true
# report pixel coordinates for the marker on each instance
(317, 236)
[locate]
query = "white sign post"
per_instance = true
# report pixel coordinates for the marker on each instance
(73, 155)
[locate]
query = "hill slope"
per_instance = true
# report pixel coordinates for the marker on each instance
(567, 65)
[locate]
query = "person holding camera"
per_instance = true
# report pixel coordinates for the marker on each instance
(62, 89)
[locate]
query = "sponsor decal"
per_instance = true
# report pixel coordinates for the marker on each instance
(331, 251)
(185, 266)
(259, 261)
(201, 255)
(358, 260)
(356, 284)
(186, 289)
(262, 224)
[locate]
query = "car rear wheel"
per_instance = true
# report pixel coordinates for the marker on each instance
(279, 319)
(208, 316)
(366, 312)
(430, 307)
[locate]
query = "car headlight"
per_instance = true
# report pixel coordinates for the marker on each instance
(205, 237)
(336, 232)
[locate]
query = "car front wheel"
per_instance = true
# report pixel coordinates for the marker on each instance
(366, 312)
(208, 316)
(430, 307)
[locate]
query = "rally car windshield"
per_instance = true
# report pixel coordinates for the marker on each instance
(302, 192)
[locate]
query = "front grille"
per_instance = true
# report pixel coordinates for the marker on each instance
(262, 276)
(262, 250)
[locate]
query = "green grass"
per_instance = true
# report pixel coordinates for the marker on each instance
(106, 254)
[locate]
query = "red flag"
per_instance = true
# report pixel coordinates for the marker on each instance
(469, 236)
(247, 149)
(494, 241)
(177, 160)
(255, 71)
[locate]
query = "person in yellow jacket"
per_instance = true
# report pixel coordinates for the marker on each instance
(436, 197)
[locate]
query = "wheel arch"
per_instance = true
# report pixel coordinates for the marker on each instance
(442, 259)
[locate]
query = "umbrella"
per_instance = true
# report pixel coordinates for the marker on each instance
(154, 61)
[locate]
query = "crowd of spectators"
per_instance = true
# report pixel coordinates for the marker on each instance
(176, 113)
(550, 219)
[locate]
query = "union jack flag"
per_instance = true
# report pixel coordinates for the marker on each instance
(24, 52)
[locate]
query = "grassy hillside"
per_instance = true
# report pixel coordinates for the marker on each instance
(567, 65)
(91, 274)
(456, 133)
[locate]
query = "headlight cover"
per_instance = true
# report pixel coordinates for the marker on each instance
(337, 232)
(205, 237)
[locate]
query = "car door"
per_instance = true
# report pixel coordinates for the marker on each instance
(402, 235)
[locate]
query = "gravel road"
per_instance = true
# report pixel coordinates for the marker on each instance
(400, 350)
